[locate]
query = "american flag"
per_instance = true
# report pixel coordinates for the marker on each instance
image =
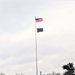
(38, 19)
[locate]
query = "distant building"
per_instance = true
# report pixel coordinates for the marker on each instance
(58, 74)
(2, 74)
(48, 74)
(53, 73)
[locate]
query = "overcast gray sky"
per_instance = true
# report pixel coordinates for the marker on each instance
(56, 45)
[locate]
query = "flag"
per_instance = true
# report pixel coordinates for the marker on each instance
(38, 19)
(39, 29)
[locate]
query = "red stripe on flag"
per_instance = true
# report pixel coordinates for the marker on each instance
(39, 19)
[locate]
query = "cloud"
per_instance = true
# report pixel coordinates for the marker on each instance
(17, 36)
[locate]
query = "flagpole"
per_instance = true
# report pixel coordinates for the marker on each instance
(36, 48)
